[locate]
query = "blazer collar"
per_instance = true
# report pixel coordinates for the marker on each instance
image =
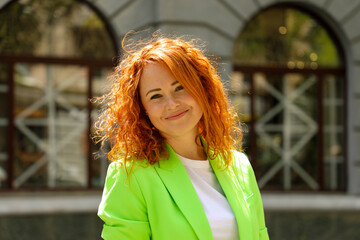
(234, 188)
(231, 184)
(175, 178)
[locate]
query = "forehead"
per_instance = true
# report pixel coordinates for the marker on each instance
(155, 75)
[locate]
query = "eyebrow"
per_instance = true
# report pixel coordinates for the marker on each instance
(158, 89)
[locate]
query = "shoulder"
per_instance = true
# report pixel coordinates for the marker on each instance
(119, 166)
(240, 160)
(242, 166)
(126, 180)
(118, 171)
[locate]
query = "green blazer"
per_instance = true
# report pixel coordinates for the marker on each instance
(159, 201)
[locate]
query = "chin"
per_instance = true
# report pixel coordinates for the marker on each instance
(180, 132)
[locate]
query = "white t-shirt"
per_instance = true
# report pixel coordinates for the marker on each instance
(217, 209)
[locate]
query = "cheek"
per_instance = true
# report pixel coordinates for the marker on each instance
(153, 112)
(196, 106)
(199, 112)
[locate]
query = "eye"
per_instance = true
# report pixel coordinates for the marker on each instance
(179, 88)
(156, 96)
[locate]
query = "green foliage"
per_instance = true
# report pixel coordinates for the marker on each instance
(18, 30)
(286, 37)
(58, 28)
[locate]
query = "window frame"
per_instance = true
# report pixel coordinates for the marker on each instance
(320, 74)
(90, 64)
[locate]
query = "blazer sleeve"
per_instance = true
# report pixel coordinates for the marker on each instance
(123, 208)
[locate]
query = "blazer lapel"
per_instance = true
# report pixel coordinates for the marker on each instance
(236, 197)
(175, 178)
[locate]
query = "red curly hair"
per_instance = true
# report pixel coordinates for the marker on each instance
(125, 125)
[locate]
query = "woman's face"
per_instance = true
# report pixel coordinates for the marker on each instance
(171, 109)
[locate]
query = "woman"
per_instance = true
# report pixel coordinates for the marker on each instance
(175, 173)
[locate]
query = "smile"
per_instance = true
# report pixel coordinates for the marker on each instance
(177, 115)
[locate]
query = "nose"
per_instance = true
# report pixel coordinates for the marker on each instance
(172, 103)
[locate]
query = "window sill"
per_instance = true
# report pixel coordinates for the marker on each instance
(87, 202)
(308, 201)
(49, 202)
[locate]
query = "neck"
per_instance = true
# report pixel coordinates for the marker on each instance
(187, 147)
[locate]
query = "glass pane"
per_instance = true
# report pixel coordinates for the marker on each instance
(286, 130)
(58, 28)
(4, 129)
(51, 140)
(100, 161)
(240, 92)
(4, 79)
(4, 94)
(333, 115)
(292, 38)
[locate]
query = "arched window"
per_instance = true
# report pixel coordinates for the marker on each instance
(54, 56)
(288, 86)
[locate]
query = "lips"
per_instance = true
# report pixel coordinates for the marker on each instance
(177, 115)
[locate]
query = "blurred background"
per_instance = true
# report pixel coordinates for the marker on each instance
(292, 70)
